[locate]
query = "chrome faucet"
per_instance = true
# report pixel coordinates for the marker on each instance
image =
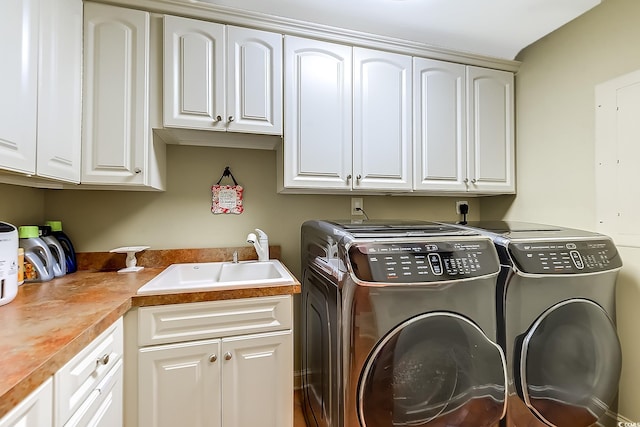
(235, 257)
(261, 243)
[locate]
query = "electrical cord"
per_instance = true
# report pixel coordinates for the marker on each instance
(464, 210)
(363, 213)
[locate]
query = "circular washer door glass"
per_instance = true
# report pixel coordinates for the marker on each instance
(570, 364)
(436, 367)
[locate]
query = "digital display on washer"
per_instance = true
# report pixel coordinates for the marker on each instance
(413, 262)
(562, 257)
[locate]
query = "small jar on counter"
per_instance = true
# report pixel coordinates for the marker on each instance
(20, 266)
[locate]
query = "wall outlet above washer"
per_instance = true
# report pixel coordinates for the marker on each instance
(356, 206)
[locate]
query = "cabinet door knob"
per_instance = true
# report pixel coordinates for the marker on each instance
(473, 181)
(213, 358)
(227, 356)
(137, 170)
(359, 177)
(230, 119)
(466, 180)
(348, 178)
(218, 119)
(103, 360)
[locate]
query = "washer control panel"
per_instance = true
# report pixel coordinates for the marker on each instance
(565, 257)
(413, 262)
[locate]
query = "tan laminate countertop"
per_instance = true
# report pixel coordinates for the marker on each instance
(48, 323)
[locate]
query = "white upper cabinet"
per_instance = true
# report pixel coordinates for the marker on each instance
(382, 120)
(463, 128)
(197, 92)
(193, 73)
(119, 148)
(318, 108)
(40, 106)
(491, 166)
(440, 151)
(254, 81)
(59, 90)
(18, 84)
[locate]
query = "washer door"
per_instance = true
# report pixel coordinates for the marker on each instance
(570, 364)
(434, 368)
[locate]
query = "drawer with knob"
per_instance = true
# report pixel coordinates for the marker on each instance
(81, 376)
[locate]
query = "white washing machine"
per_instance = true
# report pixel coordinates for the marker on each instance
(399, 326)
(556, 306)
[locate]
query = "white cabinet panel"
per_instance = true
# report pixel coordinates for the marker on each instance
(80, 376)
(18, 84)
(34, 410)
(318, 107)
(116, 127)
(382, 134)
(103, 407)
(490, 130)
(193, 73)
(256, 369)
(440, 151)
(179, 384)
(59, 90)
(197, 92)
(226, 375)
(254, 81)
(187, 322)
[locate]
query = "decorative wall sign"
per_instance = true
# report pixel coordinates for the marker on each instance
(227, 199)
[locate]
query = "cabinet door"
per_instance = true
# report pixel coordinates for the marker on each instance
(254, 86)
(116, 88)
(439, 112)
(382, 133)
(179, 385)
(59, 90)
(257, 373)
(18, 84)
(490, 136)
(194, 74)
(318, 131)
(35, 410)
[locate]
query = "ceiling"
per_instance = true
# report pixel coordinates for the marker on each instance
(497, 28)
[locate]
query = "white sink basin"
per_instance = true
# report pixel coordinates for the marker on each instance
(211, 276)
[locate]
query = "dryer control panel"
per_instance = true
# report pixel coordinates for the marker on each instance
(413, 262)
(565, 257)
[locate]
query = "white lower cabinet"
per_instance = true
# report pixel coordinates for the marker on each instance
(217, 364)
(88, 388)
(86, 391)
(32, 411)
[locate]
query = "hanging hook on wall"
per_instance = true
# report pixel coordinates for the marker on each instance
(227, 173)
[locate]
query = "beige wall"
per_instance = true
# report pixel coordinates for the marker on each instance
(181, 217)
(555, 146)
(555, 156)
(21, 205)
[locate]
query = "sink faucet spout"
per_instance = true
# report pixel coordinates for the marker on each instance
(260, 243)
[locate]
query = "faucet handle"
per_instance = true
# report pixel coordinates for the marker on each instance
(261, 234)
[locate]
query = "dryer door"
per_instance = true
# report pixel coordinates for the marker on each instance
(570, 362)
(433, 369)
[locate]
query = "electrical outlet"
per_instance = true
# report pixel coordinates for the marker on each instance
(356, 203)
(458, 203)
